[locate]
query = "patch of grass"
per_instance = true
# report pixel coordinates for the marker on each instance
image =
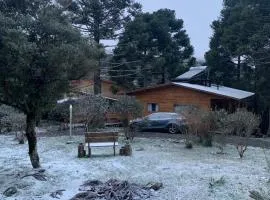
(188, 145)
(216, 182)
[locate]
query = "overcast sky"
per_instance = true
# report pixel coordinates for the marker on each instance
(197, 15)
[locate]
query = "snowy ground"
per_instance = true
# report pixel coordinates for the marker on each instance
(185, 174)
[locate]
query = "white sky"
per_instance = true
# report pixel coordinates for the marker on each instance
(197, 15)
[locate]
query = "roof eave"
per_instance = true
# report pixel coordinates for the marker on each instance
(149, 88)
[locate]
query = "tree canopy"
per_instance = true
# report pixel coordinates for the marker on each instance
(239, 52)
(154, 46)
(240, 44)
(102, 19)
(40, 52)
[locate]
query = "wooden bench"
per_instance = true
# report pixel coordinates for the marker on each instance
(101, 139)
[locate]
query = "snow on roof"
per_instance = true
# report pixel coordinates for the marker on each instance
(218, 90)
(193, 71)
(76, 98)
(66, 99)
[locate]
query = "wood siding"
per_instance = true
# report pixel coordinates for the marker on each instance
(87, 86)
(169, 96)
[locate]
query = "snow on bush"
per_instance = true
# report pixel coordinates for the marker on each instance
(92, 109)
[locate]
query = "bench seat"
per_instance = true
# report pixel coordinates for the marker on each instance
(102, 144)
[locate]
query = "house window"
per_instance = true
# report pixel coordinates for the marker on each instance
(152, 107)
(183, 109)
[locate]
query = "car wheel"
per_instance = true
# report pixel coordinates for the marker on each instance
(173, 128)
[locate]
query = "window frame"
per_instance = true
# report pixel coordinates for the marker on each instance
(152, 107)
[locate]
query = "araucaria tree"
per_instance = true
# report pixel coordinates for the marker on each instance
(159, 45)
(39, 52)
(102, 19)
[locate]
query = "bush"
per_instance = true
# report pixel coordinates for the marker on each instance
(188, 144)
(216, 182)
(200, 123)
(11, 119)
(241, 123)
(60, 113)
(128, 108)
(92, 110)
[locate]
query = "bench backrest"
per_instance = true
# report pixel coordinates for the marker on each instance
(92, 137)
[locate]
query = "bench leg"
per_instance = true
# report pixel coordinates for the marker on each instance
(89, 151)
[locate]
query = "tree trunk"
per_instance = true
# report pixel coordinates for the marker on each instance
(163, 79)
(238, 68)
(97, 81)
(97, 78)
(268, 127)
(32, 140)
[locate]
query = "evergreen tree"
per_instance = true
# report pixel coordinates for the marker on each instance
(159, 46)
(40, 52)
(239, 48)
(100, 20)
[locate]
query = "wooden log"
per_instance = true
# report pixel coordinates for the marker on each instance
(122, 151)
(81, 151)
(128, 150)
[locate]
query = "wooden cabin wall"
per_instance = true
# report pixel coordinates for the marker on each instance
(169, 96)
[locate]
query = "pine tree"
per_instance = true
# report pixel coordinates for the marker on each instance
(40, 52)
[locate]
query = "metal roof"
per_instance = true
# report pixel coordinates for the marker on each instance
(218, 90)
(193, 71)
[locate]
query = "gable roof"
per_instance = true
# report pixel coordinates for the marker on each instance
(213, 89)
(192, 73)
(218, 90)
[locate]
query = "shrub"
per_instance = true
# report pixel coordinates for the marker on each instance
(241, 123)
(11, 119)
(128, 108)
(218, 117)
(200, 123)
(60, 112)
(188, 144)
(92, 110)
(216, 182)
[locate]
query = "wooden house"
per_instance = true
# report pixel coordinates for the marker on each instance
(109, 89)
(185, 92)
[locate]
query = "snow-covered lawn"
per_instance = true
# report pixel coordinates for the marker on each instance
(185, 174)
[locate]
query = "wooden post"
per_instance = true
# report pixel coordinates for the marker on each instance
(114, 148)
(70, 121)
